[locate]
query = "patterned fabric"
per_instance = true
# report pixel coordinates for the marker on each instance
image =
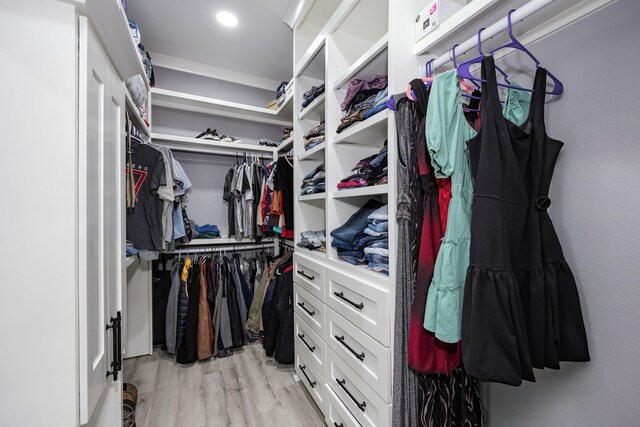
(129, 400)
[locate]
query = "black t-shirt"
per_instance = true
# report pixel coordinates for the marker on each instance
(284, 182)
(144, 222)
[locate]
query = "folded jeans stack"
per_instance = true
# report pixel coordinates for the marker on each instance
(363, 100)
(363, 239)
(312, 94)
(371, 170)
(314, 181)
(313, 240)
(314, 137)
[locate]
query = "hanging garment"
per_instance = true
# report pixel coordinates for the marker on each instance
(188, 353)
(183, 306)
(172, 308)
(279, 342)
(229, 198)
(233, 304)
(521, 306)
(205, 328)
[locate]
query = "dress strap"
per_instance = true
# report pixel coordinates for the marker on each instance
(490, 97)
(536, 113)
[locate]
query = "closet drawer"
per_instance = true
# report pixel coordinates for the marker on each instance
(309, 275)
(366, 356)
(363, 403)
(312, 380)
(309, 343)
(310, 309)
(337, 414)
(364, 305)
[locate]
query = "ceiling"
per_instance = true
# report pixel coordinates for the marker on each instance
(261, 45)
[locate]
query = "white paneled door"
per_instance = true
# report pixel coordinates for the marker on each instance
(100, 248)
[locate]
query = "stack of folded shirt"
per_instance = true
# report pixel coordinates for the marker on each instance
(313, 182)
(207, 231)
(313, 240)
(363, 100)
(371, 170)
(311, 94)
(314, 137)
(352, 238)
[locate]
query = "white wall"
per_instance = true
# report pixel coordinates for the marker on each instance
(38, 369)
(595, 203)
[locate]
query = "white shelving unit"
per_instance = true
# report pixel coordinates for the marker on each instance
(285, 145)
(315, 153)
(366, 132)
(372, 190)
(195, 145)
(134, 114)
(312, 111)
(218, 107)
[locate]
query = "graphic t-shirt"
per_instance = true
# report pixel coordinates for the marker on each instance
(144, 221)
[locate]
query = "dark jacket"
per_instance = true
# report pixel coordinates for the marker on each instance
(189, 352)
(279, 337)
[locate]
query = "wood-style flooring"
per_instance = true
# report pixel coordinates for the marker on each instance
(245, 390)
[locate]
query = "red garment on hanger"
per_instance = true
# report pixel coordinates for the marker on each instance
(427, 354)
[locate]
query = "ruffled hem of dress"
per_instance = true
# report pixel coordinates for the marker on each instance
(443, 311)
(516, 320)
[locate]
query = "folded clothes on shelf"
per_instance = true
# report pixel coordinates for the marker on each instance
(314, 181)
(316, 131)
(207, 231)
(363, 100)
(371, 170)
(313, 240)
(311, 94)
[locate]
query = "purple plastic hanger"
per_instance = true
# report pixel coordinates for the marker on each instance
(465, 72)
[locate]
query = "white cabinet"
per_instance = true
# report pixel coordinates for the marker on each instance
(100, 219)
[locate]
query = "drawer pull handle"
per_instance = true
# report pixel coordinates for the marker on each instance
(341, 296)
(335, 424)
(311, 383)
(360, 356)
(310, 313)
(301, 272)
(311, 349)
(362, 405)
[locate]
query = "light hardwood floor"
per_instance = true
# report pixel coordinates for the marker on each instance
(245, 390)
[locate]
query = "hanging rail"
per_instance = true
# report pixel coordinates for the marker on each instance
(221, 248)
(521, 13)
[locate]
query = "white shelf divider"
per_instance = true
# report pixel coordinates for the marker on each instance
(372, 190)
(309, 197)
(316, 153)
(312, 111)
(285, 145)
(218, 107)
(130, 260)
(188, 144)
(367, 58)
(372, 131)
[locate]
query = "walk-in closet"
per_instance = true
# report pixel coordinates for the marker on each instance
(307, 213)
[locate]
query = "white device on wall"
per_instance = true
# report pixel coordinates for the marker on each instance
(433, 14)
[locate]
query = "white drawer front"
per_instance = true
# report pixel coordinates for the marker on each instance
(363, 403)
(312, 380)
(337, 414)
(310, 309)
(364, 305)
(309, 275)
(366, 356)
(311, 345)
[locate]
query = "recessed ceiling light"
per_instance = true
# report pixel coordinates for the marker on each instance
(227, 19)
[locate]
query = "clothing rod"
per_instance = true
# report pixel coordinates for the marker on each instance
(521, 13)
(222, 248)
(175, 147)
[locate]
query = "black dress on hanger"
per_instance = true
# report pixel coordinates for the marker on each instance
(521, 305)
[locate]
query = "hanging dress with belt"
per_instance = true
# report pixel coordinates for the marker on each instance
(521, 305)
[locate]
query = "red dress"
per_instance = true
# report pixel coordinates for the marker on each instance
(427, 354)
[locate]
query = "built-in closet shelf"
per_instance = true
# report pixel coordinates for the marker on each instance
(313, 110)
(218, 107)
(372, 62)
(112, 26)
(320, 256)
(373, 190)
(223, 241)
(361, 271)
(285, 145)
(450, 28)
(312, 62)
(316, 153)
(185, 143)
(128, 262)
(372, 131)
(134, 113)
(312, 197)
